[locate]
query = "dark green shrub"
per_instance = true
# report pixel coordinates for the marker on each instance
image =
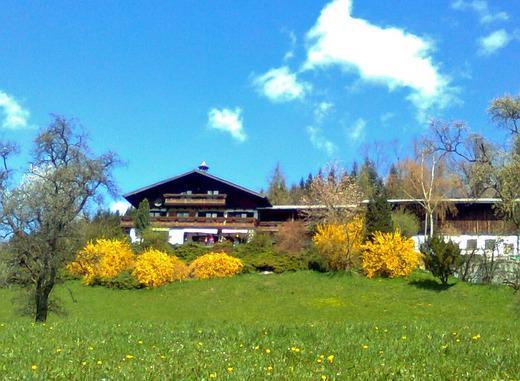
(4, 274)
(153, 239)
(406, 222)
(123, 281)
(314, 260)
(261, 255)
(189, 251)
(441, 258)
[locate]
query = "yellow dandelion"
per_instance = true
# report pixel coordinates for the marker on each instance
(365, 346)
(323, 377)
(403, 337)
(269, 368)
(99, 362)
(83, 363)
(34, 367)
(140, 342)
(267, 350)
(129, 357)
(200, 344)
(90, 348)
(230, 369)
(476, 337)
(319, 360)
(257, 347)
(58, 350)
(163, 357)
(213, 375)
(330, 359)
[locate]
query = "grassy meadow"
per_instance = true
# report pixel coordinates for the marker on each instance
(293, 326)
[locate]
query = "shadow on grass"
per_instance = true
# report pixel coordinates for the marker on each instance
(430, 284)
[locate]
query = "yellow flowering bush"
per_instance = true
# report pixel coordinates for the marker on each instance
(340, 244)
(215, 265)
(390, 255)
(155, 268)
(104, 258)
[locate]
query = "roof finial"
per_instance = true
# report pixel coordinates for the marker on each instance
(203, 166)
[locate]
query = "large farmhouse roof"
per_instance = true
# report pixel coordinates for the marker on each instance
(130, 196)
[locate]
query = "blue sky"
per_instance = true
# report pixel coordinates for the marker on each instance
(246, 84)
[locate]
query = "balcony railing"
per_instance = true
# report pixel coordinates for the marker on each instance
(195, 199)
(195, 221)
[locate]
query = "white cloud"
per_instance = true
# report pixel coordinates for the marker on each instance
(494, 41)
(386, 117)
(319, 141)
(120, 207)
(228, 120)
(481, 7)
(15, 116)
(292, 40)
(281, 85)
(321, 110)
(389, 56)
(356, 132)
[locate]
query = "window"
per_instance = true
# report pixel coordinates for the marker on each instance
(157, 213)
(211, 215)
(215, 192)
(188, 192)
(509, 248)
(471, 244)
(489, 244)
(183, 214)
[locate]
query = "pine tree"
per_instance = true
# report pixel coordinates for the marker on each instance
(354, 170)
(277, 193)
(368, 178)
(142, 216)
(378, 216)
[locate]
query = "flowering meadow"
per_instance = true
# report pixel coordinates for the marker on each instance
(298, 326)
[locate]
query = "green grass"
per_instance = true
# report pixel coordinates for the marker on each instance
(270, 327)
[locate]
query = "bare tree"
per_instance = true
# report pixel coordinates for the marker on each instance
(490, 169)
(333, 197)
(505, 112)
(427, 180)
(38, 214)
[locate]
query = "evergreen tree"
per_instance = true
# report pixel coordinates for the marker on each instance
(308, 182)
(379, 212)
(142, 216)
(368, 178)
(394, 184)
(354, 170)
(277, 193)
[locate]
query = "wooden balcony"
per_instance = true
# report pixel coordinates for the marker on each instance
(196, 199)
(172, 222)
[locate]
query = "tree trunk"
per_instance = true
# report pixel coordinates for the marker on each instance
(43, 289)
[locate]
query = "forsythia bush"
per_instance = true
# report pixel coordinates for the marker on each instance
(215, 265)
(155, 268)
(389, 254)
(340, 244)
(104, 258)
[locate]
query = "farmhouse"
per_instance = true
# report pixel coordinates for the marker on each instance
(198, 206)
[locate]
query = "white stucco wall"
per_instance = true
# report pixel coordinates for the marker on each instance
(462, 241)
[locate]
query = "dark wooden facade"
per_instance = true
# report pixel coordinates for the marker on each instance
(197, 199)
